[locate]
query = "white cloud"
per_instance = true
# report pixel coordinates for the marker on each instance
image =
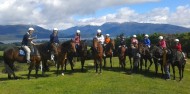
(61, 13)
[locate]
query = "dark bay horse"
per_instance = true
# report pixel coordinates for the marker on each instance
(172, 59)
(145, 55)
(63, 50)
(12, 54)
(122, 56)
(108, 49)
(157, 55)
(81, 52)
(97, 54)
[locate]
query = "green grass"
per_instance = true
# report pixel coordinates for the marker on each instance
(111, 81)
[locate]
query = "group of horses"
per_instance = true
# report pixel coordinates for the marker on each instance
(67, 50)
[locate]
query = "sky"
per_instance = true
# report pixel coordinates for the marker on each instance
(63, 14)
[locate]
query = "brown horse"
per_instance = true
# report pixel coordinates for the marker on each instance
(109, 51)
(63, 49)
(122, 56)
(97, 54)
(12, 54)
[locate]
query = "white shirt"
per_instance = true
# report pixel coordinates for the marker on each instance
(100, 39)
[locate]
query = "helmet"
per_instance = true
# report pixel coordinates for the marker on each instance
(146, 35)
(176, 40)
(30, 29)
(160, 37)
(78, 31)
(99, 31)
(55, 29)
(134, 36)
(108, 35)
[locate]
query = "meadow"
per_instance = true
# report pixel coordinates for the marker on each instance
(111, 81)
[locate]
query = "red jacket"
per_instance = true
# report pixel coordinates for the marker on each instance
(77, 39)
(178, 47)
(162, 43)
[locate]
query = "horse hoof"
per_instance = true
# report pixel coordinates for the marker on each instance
(62, 74)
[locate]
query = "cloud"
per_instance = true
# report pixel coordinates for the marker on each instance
(158, 15)
(61, 13)
(54, 13)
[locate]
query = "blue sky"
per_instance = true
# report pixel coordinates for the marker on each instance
(64, 14)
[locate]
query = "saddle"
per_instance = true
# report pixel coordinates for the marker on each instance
(22, 52)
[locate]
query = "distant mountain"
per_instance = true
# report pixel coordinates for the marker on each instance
(12, 32)
(128, 28)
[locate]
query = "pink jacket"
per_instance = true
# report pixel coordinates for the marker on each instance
(77, 39)
(162, 43)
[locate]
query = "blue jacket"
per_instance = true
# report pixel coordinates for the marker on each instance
(147, 42)
(54, 39)
(25, 40)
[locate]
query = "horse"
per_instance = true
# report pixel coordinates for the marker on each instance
(97, 54)
(122, 56)
(82, 53)
(130, 56)
(12, 54)
(145, 55)
(108, 49)
(63, 49)
(157, 55)
(172, 58)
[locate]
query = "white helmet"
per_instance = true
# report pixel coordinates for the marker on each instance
(108, 35)
(134, 36)
(160, 37)
(176, 40)
(78, 31)
(146, 35)
(30, 29)
(55, 29)
(99, 31)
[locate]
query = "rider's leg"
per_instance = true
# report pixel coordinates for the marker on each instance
(27, 49)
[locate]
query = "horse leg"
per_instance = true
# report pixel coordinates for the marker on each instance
(100, 66)
(173, 67)
(146, 64)
(130, 62)
(141, 63)
(82, 63)
(183, 66)
(96, 67)
(62, 69)
(104, 61)
(65, 64)
(180, 72)
(30, 70)
(58, 68)
(150, 60)
(111, 61)
(37, 67)
(71, 63)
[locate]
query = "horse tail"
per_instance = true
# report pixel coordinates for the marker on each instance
(7, 67)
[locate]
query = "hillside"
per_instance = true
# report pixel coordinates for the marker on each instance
(128, 28)
(12, 32)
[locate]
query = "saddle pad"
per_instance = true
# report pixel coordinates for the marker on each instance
(21, 52)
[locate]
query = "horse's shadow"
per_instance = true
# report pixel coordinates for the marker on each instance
(70, 72)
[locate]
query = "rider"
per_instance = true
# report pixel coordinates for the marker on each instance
(122, 41)
(178, 49)
(100, 37)
(77, 40)
(26, 43)
(147, 40)
(162, 44)
(107, 40)
(134, 44)
(54, 39)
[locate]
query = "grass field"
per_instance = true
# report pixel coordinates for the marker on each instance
(111, 81)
